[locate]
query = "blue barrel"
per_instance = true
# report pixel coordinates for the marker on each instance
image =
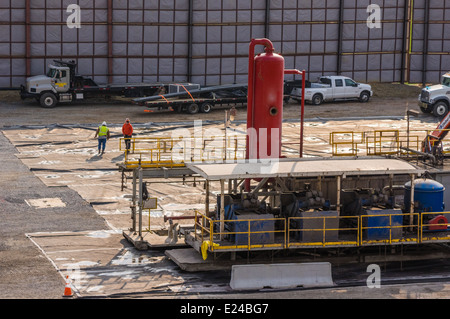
(428, 194)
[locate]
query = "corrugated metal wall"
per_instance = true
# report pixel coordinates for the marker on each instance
(206, 41)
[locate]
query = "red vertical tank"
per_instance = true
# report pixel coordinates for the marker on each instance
(265, 102)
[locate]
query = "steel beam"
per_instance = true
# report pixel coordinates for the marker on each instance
(28, 38)
(190, 36)
(110, 48)
(425, 42)
(340, 27)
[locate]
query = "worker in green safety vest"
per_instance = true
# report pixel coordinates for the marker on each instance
(103, 135)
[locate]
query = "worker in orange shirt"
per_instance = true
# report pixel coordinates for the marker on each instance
(127, 131)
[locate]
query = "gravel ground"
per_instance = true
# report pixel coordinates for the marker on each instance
(24, 270)
(388, 100)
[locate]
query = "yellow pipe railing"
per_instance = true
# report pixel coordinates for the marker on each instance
(397, 229)
(175, 152)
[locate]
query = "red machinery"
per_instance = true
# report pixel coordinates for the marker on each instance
(433, 142)
(439, 222)
(265, 101)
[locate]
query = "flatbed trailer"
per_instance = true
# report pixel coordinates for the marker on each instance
(62, 85)
(203, 105)
(198, 100)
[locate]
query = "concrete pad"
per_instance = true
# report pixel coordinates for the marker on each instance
(152, 240)
(254, 277)
(191, 260)
(100, 263)
(45, 202)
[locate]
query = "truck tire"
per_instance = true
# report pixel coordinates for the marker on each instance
(440, 109)
(317, 99)
(48, 100)
(192, 108)
(364, 97)
(426, 109)
(206, 108)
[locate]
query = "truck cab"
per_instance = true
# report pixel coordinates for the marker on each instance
(59, 78)
(436, 98)
(53, 87)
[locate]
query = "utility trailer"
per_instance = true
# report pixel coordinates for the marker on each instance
(62, 85)
(197, 100)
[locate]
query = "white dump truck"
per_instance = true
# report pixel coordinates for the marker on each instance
(436, 98)
(331, 88)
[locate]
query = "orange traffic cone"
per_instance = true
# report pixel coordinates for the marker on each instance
(67, 290)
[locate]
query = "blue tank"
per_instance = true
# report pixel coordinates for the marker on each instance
(428, 194)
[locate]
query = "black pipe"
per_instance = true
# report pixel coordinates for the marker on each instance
(10, 88)
(340, 30)
(267, 20)
(190, 36)
(425, 42)
(405, 43)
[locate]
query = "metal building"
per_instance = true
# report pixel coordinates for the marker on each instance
(206, 41)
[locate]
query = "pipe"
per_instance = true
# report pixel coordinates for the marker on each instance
(425, 42)
(190, 37)
(28, 38)
(302, 113)
(339, 41)
(405, 43)
(433, 158)
(110, 35)
(140, 201)
(166, 218)
(267, 19)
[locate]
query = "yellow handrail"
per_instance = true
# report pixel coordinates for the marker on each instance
(175, 152)
(355, 235)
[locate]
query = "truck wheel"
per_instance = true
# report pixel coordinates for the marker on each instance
(425, 109)
(364, 97)
(317, 99)
(440, 109)
(192, 108)
(205, 108)
(48, 100)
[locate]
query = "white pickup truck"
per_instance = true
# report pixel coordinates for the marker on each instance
(330, 88)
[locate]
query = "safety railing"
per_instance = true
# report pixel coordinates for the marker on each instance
(379, 142)
(175, 152)
(320, 231)
(407, 144)
(346, 143)
(385, 142)
(323, 231)
(434, 227)
(389, 229)
(247, 234)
